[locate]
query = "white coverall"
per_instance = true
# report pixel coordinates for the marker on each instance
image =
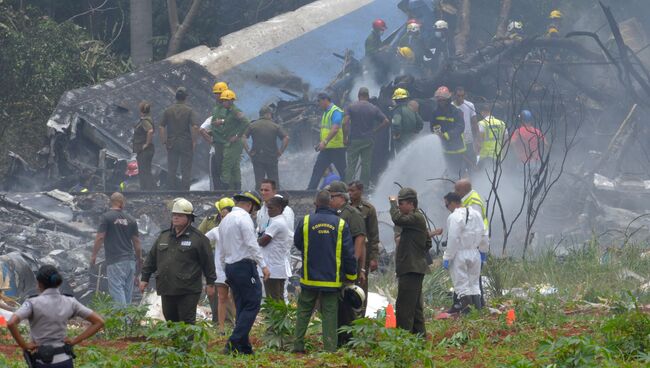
(466, 235)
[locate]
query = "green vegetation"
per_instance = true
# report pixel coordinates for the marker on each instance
(560, 329)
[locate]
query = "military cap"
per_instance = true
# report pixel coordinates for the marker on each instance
(407, 193)
(337, 187)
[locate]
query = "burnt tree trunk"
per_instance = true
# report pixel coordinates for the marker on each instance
(462, 36)
(141, 31)
(177, 29)
(504, 14)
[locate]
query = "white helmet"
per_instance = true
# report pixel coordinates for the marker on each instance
(515, 25)
(354, 296)
(183, 206)
(441, 24)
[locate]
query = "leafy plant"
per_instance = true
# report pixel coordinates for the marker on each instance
(457, 340)
(395, 347)
(628, 333)
(120, 321)
(575, 351)
(280, 319)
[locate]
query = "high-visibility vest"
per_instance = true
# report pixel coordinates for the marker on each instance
(326, 126)
(451, 145)
(495, 131)
(475, 199)
(336, 281)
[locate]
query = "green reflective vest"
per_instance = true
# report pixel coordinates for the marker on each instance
(326, 126)
(494, 133)
(475, 199)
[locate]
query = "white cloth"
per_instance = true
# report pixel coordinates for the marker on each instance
(276, 253)
(466, 235)
(213, 235)
(206, 124)
(469, 111)
(238, 239)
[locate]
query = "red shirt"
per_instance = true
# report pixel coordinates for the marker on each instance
(526, 141)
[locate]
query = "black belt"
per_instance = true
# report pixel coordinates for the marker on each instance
(245, 260)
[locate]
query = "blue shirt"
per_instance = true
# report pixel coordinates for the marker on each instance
(337, 116)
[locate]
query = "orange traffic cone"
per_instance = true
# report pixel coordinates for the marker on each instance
(391, 321)
(3, 321)
(510, 317)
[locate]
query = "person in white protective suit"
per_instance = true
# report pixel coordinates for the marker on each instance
(466, 239)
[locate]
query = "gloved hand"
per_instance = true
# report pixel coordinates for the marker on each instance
(445, 264)
(483, 257)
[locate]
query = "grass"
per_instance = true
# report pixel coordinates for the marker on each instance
(596, 318)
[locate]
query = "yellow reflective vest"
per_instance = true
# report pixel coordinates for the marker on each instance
(493, 136)
(326, 126)
(473, 198)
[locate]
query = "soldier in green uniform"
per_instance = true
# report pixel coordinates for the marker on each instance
(410, 260)
(228, 129)
(143, 146)
(180, 255)
(341, 203)
(406, 121)
(369, 214)
(178, 131)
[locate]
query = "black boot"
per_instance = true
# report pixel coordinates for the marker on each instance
(465, 303)
(454, 304)
(476, 301)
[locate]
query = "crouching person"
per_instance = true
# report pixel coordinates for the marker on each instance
(48, 314)
(328, 260)
(465, 236)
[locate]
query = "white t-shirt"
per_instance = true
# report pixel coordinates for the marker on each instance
(469, 111)
(276, 253)
(213, 235)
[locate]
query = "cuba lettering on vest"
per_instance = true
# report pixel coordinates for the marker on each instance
(305, 261)
(326, 126)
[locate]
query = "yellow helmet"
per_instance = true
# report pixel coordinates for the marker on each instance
(183, 206)
(228, 95)
(406, 53)
(251, 196)
(552, 30)
(219, 87)
(555, 14)
(223, 203)
(400, 94)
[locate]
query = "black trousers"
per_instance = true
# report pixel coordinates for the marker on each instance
(246, 286)
(66, 364)
(215, 167)
(182, 156)
(327, 157)
(264, 170)
(409, 304)
(145, 177)
(180, 308)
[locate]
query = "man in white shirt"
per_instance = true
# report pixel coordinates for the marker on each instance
(240, 255)
(276, 245)
(466, 240)
(471, 124)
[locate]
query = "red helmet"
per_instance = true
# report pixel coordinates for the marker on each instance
(379, 24)
(131, 168)
(412, 20)
(442, 92)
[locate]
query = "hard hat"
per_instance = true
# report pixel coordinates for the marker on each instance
(400, 94)
(406, 53)
(379, 25)
(441, 24)
(183, 206)
(552, 30)
(515, 26)
(354, 296)
(413, 27)
(526, 115)
(337, 187)
(131, 168)
(555, 14)
(253, 197)
(219, 87)
(411, 21)
(228, 95)
(407, 193)
(442, 92)
(223, 203)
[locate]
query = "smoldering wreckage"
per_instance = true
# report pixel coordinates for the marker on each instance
(605, 187)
